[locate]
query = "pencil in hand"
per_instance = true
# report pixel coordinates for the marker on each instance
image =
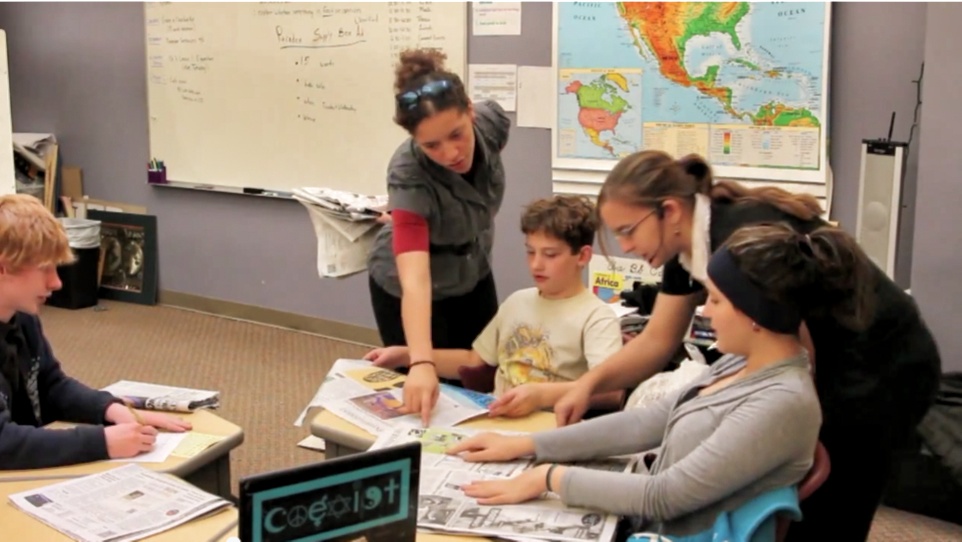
(136, 414)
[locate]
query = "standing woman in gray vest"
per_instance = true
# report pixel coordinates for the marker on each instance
(430, 269)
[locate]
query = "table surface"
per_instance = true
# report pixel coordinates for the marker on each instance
(203, 421)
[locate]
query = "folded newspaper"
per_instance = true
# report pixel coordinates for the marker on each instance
(341, 204)
(120, 505)
(370, 397)
(158, 397)
(443, 506)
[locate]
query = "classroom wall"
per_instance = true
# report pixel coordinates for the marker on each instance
(82, 77)
(938, 237)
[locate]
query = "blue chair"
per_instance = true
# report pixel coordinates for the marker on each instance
(766, 518)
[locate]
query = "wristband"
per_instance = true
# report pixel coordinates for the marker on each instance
(547, 477)
(422, 362)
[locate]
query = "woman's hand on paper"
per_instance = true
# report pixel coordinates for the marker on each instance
(391, 357)
(517, 402)
(492, 447)
(573, 404)
(129, 439)
(524, 487)
(421, 390)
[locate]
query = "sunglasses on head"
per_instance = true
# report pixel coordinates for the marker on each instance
(411, 98)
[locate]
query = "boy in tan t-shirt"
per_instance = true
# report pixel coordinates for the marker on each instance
(542, 338)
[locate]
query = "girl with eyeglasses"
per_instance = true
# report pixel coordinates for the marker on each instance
(877, 375)
(430, 273)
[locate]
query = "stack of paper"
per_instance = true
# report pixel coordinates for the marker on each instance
(124, 504)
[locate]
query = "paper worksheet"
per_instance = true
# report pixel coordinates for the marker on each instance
(195, 443)
(535, 87)
(496, 18)
(165, 444)
(498, 82)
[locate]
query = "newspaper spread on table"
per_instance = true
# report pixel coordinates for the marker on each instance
(159, 397)
(370, 397)
(443, 506)
(123, 504)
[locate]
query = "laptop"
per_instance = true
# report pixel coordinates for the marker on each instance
(370, 496)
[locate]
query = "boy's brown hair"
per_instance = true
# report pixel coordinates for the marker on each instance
(30, 235)
(569, 218)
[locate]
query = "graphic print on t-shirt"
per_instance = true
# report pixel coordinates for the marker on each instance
(526, 355)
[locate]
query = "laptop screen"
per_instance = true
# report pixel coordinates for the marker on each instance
(370, 496)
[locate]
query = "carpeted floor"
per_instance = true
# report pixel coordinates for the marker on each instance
(265, 375)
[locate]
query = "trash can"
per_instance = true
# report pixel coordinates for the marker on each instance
(80, 284)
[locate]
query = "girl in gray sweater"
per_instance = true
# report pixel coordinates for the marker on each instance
(747, 427)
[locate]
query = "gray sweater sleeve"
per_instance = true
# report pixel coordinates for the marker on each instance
(626, 432)
(768, 430)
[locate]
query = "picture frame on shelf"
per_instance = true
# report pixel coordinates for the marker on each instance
(128, 243)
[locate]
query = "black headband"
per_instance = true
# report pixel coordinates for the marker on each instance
(749, 298)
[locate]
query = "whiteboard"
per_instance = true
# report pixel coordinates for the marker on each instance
(275, 96)
(8, 183)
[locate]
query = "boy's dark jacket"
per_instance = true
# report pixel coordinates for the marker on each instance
(44, 395)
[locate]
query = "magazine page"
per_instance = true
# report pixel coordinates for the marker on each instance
(443, 506)
(158, 397)
(123, 504)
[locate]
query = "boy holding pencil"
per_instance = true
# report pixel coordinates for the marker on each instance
(34, 390)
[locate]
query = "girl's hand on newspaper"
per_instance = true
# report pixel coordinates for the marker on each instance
(493, 447)
(518, 402)
(391, 357)
(129, 439)
(524, 487)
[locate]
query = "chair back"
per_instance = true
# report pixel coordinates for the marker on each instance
(479, 378)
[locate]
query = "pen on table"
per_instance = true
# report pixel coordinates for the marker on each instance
(136, 414)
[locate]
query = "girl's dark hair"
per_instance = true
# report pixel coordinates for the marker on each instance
(648, 178)
(415, 99)
(824, 273)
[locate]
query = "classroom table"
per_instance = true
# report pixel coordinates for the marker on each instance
(208, 470)
(342, 437)
(25, 527)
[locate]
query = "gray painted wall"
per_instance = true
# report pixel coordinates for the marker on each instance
(938, 236)
(82, 78)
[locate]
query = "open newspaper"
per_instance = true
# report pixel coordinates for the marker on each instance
(158, 397)
(370, 397)
(443, 506)
(123, 504)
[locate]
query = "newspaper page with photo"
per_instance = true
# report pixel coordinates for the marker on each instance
(158, 397)
(371, 397)
(443, 506)
(120, 505)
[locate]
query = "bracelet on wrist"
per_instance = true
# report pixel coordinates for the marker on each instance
(422, 362)
(547, 477)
